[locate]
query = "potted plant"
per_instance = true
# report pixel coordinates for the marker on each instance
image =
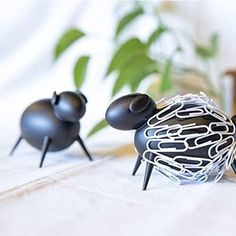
(135, 61)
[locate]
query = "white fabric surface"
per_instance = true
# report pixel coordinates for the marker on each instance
(102, 198)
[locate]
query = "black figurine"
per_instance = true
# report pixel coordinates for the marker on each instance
(53, 124)
(186, 138)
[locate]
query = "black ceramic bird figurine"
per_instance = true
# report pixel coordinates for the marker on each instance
(187, 138)
(52, 125)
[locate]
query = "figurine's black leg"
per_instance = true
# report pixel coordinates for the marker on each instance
(137, 164)
(148, 171)
(16, 144)
(46, 144)
(84, 148)
(233, 165)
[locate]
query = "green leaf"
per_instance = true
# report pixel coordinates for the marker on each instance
(203, 52)
(98, 127)
(135, 71)
(214, 44)
(166, 77)
(211, 50)
(127, 50)
(66, 40)
(127, 19)
(80, 69)
(156, 35)
(139, 78)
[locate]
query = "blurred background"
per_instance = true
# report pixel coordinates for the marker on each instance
(110, 48)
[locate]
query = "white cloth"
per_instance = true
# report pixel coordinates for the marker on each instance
(102, 198)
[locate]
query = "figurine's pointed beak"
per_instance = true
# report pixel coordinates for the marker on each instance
(55, 98)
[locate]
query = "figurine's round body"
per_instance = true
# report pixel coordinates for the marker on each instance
(53, 124)
(39, 121)
(186, 138)
(189, 140)
(186, 130)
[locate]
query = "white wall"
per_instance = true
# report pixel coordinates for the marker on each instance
(29, 30)
(219, 16)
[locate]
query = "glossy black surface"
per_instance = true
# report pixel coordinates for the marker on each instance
(39, 121)
(133, 111)
(53, 124)
(130, 111)
(140, 140)
(69, 106)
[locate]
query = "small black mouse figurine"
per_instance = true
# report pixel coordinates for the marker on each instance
(53, 124)
(186, 138)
